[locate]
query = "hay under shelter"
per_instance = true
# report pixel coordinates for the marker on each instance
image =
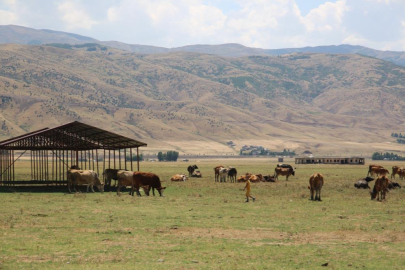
(52, 151)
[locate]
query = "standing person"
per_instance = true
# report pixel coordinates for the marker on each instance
(247, 187)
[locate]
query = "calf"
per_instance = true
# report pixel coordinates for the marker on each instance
(380, 187)
(191, 169)
(395, 170)
(232, 173)
(315, 185)
(269, 178)
(84, 177)
(401, 174)
(148, 179)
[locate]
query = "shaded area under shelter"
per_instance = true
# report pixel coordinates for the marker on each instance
(50, 152)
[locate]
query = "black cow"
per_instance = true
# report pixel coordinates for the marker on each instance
(232, 173)
(361, 184)
(191, 169)
(392, 185)
(269, 178)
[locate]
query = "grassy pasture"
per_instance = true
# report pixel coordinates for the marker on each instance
(201, 224)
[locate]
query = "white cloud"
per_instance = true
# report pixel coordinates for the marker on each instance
(328, 13)
(75, 16)
(7, 17)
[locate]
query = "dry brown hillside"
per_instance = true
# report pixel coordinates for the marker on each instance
(195, 103)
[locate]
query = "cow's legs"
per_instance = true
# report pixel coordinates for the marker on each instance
(319, 195)
(92, 188)
(312, 194)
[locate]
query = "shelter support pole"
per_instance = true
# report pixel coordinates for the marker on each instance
(130, 153)
(137, 157)
(125, 158)
(119, 158)
(98, 171)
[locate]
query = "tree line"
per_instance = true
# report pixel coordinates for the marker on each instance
(386, 155)
(168, 156)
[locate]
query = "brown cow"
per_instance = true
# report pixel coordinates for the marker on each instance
(316, 183)
(216, 170)
(401, 174)
(125, 178)
(284, 172)
(84, 177)
(382, 171)
(148, 179)
(373, 169)
(256, 178)
(395, 170)
(380, 187)
(243, 178)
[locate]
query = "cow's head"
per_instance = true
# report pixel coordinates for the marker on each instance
(195, 167)
(161, 190)
(146, 190)
(373, 194)
(100, 187)
(292, 170)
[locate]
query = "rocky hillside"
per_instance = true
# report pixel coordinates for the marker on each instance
(195, 103)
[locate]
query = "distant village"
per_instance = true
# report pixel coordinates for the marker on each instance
(258, 150)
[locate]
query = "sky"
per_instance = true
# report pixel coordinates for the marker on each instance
(270, 24)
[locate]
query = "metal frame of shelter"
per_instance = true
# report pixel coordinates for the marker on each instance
(54, 150)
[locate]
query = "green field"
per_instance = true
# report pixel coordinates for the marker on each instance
(201, 224)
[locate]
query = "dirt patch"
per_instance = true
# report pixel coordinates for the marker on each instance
(288, 238)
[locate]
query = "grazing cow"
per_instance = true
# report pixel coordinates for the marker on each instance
(223, 173)
(373, 169)
(243, 178)
(392, 185)
(149, 179)
(315, 185)
(125, 178)
(191, 169)
(362, 184)
(283, 171)
(382, 171)
(216, 170)
(269, 178)
(232, 173)
(380, 187)
(395, 170)
(179, 178)
(84, 177)
(256, 178)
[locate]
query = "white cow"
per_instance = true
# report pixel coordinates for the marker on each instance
(84, 177)
(223, 173)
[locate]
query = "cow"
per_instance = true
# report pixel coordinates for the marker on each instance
(191, 169)
(315, 185)
(243, 178)
(216, 170)
(125, 178)
(179, 178)
(380, 187)
(84, 177)
(223, 173)
(149, 179)
(401, 173)
(382, 171)
(256, 178)
(392, 185)
(232, 173)
(283, 171)
(196, 174)
(395, 170)
(373, 169)
(362, 184)
(368, 179)
(269, 178)
(284, 166)
(110, 174)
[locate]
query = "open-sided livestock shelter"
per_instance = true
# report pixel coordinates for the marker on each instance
(52, 151)
(331, 160)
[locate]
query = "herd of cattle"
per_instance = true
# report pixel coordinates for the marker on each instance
(150, 181)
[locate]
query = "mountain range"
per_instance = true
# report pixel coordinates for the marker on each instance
(194, 102)
(24, 35)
